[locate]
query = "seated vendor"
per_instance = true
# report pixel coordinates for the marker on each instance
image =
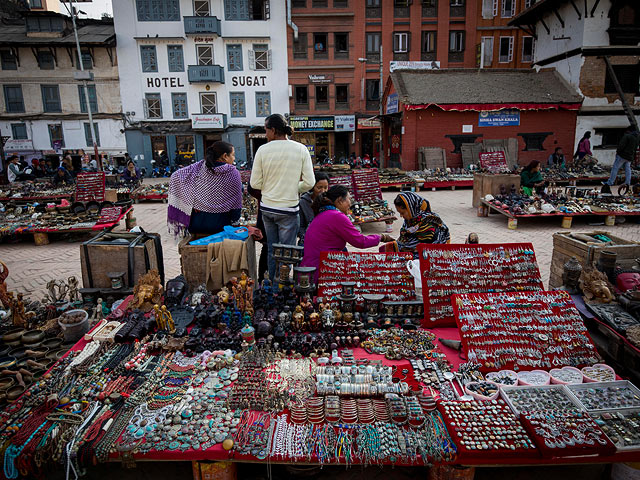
(331, 229)
(62, 177)
(306, 200)
(531, 178)
(206, 196)
(420, 225)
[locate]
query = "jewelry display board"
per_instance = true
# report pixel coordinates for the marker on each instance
(494, 162)
(472, 421)
(449, 269)
(523, 330)
(90, 186)
(384, 273)
(344, 180)
(366, 184)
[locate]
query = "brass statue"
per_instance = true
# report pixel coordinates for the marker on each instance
(72, 284)
(596, 286)
(147, 292)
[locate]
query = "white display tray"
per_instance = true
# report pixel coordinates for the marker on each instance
(505, 389)
(574, 389)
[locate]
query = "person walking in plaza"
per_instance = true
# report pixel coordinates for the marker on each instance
(420, 225)
(306, 201)
(584, 147)
(282, 170)
(625, 154)
(331, 230)
(207, 195)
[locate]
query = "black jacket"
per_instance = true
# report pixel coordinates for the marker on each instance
(628, 146)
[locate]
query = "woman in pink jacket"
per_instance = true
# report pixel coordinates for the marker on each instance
(331, 229)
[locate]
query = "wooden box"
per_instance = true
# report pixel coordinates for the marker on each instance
(193, 260)
(588, 253)
(111, 195)
(132, 253)
(484, 184)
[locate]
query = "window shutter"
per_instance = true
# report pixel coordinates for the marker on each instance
(267, 10)
(495, 8)
(252, 60)
(510, 49)
(487, 9)
(409, 42)
(396, 42)
(269, 59)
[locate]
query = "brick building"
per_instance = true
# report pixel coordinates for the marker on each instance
(500, 45)
(578, 39)
(448, 108)
(333, 95)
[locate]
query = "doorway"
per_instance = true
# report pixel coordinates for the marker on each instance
(159, 150)
(210, 139)
(366, 144)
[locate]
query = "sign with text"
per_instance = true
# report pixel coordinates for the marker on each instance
(407, 65)
(321, 77)
(214, 121)
(312, 124)
(345, 123)
(499, 118)
(494, 162)
(392, 103)
(18, 145)
(365, 123)
(166, 82)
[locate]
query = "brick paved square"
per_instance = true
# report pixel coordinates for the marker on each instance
(32, 267)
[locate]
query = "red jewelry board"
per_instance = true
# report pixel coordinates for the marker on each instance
(366, 184)
(90, 186)
(448, 269)
(384, 273)
(344, 180)
(494, 162)
(523, 330)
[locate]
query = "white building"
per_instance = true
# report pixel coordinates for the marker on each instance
(96, 9)
(43, 109)
(574, 37)
(196, 71)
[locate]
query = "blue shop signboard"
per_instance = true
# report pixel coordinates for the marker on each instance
(499, 118)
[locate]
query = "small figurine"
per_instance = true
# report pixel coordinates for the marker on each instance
(72, 285)
(327, 317)
(175, 291)
(314, 322)
(97, 314)
(17, 309)
(298, 323)
(224, 295)
(147, 292)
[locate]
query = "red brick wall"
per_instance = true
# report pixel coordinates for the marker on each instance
(427, 128)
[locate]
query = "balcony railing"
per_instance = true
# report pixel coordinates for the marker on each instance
(202, 25)
(206, 73)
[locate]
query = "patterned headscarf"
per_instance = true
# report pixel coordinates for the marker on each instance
(424, 225)
(415, 203)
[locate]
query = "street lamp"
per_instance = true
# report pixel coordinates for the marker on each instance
(381, 64)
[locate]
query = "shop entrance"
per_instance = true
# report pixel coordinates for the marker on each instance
(323, 147)
(159, 150)
(210, 139)
(366, 144)
(342, 145)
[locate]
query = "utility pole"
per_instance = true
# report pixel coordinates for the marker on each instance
(82, 76)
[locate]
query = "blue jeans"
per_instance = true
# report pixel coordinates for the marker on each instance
(614, 171)
(280, 228)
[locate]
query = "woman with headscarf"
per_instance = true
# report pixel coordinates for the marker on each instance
(331, 230)
(420, 225)
(207, 195)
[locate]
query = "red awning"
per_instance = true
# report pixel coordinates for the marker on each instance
(479, 107)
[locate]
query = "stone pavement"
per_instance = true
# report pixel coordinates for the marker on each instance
(32, 267)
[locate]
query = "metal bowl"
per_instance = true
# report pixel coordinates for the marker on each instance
(13, 393)
(51, 343)
(32, 337)
(13, 336)
(7, 362)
